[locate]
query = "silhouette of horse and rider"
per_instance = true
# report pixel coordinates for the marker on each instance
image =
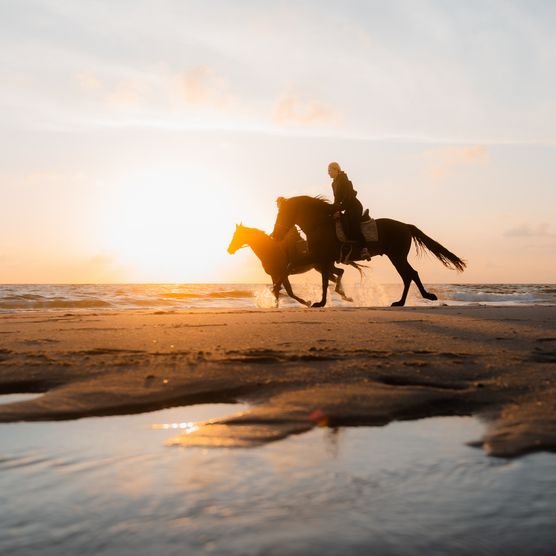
(280, 259)
(336, 232)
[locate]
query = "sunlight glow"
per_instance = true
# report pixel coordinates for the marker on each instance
(172, 224)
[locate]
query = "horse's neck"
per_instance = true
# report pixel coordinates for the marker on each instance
(261, 243)
(313, 224)
(318, 225)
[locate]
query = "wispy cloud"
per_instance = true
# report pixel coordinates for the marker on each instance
(195, 88)
(290, 109)
(541, 229)
(88, 82)
(445, 161)
(124, 92)
(201, 85)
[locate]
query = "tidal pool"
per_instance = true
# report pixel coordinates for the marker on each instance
(106, 486)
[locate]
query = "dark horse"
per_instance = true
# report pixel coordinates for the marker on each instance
(281, 259)
(314, 215)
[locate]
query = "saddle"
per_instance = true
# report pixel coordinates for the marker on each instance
(349, 250)
(368, 229)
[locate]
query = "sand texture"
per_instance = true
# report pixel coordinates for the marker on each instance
(298, 368)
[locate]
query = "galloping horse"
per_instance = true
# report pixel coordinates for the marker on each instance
(279, 260)
(314, 215)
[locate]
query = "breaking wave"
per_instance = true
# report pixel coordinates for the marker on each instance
(168, 297)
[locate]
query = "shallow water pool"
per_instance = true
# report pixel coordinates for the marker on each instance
(108, 485)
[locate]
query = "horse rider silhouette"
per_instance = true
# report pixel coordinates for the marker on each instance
(345, 199)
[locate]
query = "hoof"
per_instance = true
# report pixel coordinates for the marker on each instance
(318, 305)
(350, 299)
(397, 304)
(431, 296)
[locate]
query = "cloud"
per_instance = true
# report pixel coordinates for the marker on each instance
(88, 82)
(201, 85)
(444, 161)
(290, 109)
(198, 87)
(128, 92)
(201, 92)
(125, 93)
(526, 230)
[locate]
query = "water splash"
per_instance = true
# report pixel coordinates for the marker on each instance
(264, 298)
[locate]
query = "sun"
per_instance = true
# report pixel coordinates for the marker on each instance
(171, 225)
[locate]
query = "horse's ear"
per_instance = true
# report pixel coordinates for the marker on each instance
(237, 226)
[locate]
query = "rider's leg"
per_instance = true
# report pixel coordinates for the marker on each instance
(354, 211)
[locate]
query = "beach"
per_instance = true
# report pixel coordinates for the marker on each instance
(297, 369)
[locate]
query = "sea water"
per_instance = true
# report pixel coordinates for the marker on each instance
(122, 297)
(109, 485)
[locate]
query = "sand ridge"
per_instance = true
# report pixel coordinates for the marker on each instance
(299, 368)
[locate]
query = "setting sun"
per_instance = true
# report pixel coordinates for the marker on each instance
(173, 223)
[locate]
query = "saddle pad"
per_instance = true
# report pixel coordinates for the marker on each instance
(369, 229)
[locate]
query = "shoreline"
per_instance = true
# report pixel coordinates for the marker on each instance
(297, 368)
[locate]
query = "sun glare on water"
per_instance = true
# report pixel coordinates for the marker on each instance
(171, 226)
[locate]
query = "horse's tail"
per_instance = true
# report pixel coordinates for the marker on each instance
(447, 258)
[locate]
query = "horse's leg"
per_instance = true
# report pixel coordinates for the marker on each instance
(276, 285)
(339, 289)
(324, 270)
(288, 287)
(409, 274)
(419, 284)
(406, 272)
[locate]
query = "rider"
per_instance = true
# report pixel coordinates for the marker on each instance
(345, 198)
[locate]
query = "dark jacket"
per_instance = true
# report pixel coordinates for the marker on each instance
(343, 190)
(345, 198)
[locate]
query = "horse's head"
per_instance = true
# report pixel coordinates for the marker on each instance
(309, 213)
(285, 219)
(238, 240)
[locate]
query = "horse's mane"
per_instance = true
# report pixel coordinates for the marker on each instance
(318, 202)
(255, 231)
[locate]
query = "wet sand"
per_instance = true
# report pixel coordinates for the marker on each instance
(298, 368)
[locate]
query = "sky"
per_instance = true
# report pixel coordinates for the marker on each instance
(135, 134)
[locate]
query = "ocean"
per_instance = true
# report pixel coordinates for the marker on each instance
(167, 297)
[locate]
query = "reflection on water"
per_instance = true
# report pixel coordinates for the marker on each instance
(186, 428)
(109, 486)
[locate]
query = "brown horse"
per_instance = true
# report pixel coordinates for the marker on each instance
(280, 259)
(314, 215)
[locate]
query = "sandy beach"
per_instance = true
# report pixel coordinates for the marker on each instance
(297, 368)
